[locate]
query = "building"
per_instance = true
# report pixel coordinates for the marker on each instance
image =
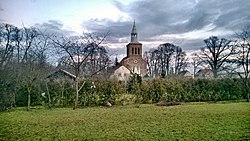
(185, 73)
(120, 73)
(61, 74)
(204, 73)
(134, 61)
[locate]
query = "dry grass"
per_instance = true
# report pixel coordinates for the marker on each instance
(198, 121)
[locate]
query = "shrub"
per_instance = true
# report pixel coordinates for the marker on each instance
(135, 91)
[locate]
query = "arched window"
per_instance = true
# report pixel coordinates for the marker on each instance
(139, 51)
(132, 51)
(135, 50)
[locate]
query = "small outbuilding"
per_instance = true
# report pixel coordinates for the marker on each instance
(204, 73)
(185, 73)
(59, 74)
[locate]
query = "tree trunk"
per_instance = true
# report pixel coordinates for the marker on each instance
(29, 91)
(77, 94)
(47, 87)
(215, 73)
(62, 98)
(49, 100)
(247, 88)
(248, 97)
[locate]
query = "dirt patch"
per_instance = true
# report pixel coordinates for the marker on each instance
(164, 103)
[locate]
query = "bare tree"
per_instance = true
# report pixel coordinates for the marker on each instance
(33, 59)
(81, 52)
(7, 44)
(28, 40)
(6, 54)
(195, 62)
(165, 60)
(21, 52)
(10, 40)
(42, 47)
(18, 37)
(216, 53)
(96, 61)
(166, 52)
(152, 60)
(243, 57)
(180, 61)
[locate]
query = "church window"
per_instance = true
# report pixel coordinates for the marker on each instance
(135, 50)
(139, 51)
(132, 51)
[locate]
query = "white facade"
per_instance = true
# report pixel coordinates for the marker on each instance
(121, 73)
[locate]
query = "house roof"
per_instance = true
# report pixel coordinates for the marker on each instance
(61, 72)
(204, 71)
(182, 73)
(113, 68)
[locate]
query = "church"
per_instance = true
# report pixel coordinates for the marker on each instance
(133, 63)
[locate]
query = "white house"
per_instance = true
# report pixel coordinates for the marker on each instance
(120, 73)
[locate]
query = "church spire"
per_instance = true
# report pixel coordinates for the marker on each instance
(134, 34)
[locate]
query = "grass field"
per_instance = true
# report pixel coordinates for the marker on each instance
(196, 121)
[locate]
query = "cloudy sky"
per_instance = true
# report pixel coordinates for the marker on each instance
(185, 23)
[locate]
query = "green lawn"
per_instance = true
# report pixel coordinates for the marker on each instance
(196, 121)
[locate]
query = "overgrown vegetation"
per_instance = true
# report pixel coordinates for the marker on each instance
(98, 92)
(199, 121)
(190, 90)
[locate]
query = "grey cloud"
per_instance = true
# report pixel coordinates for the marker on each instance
(1, 8)
(230, 14)
(156, 18)
(192, 44)
(117, 29)
(117, 51)
(198, 20)
(53, 26)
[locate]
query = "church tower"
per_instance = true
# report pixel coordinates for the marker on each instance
(134, 48)
(134, 61)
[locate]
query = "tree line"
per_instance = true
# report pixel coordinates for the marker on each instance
(25, 61)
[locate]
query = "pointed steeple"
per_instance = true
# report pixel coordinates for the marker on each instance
(134, 34)
(134, 28)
